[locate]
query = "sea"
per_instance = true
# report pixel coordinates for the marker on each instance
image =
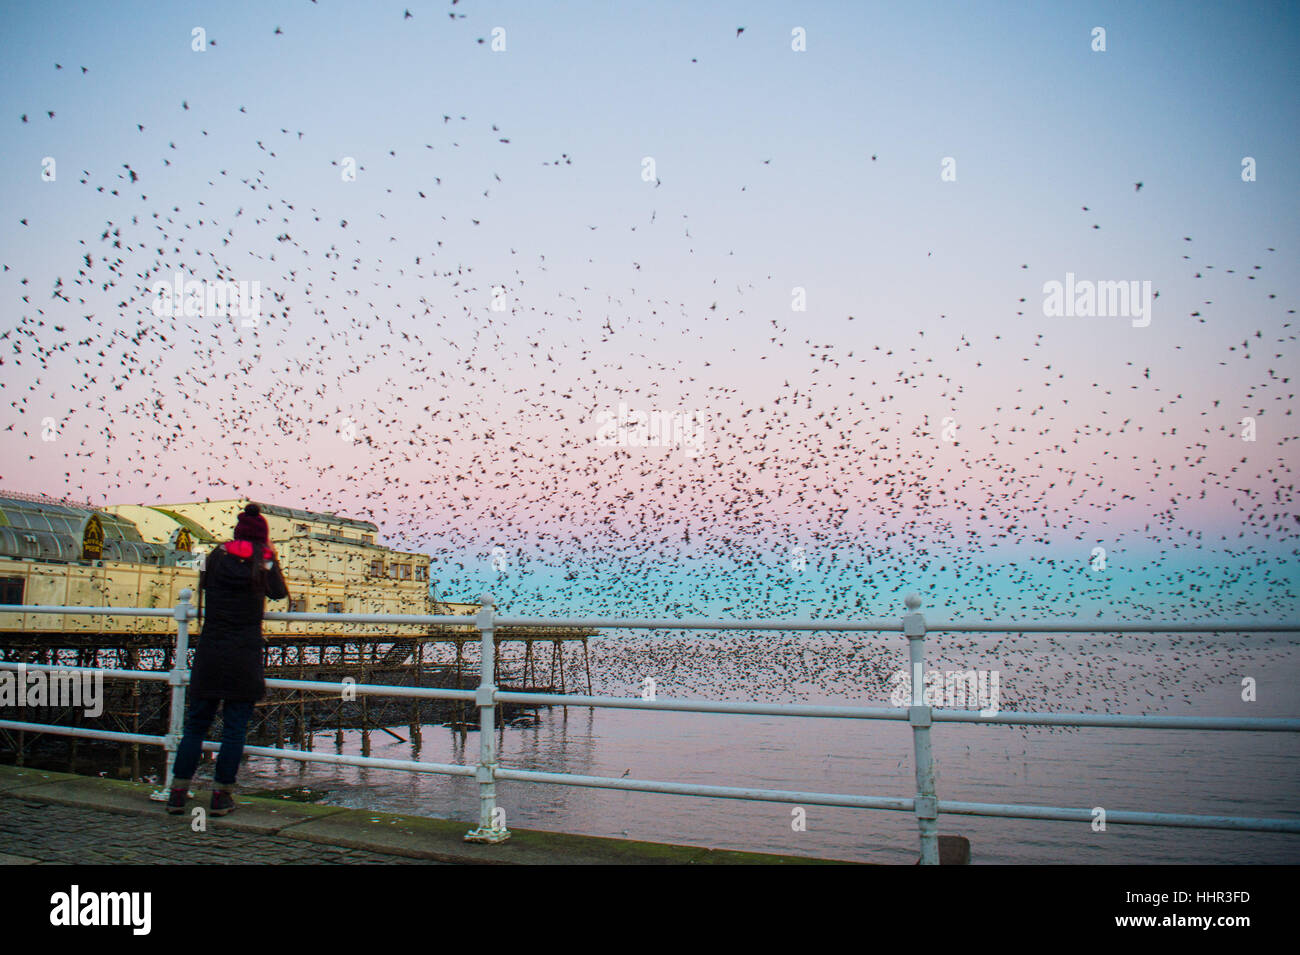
(1231, 674)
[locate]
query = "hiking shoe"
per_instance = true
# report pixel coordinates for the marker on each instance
(222, 803)
(176, 800)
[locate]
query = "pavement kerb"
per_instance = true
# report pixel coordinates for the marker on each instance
(412, 836)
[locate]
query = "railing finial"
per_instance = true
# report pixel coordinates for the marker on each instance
(487, 600)
(912, 602)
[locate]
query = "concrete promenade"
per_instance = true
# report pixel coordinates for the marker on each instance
(61, 818)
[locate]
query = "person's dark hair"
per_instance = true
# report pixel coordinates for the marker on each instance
(259, 571)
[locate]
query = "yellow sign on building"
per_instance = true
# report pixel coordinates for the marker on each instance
(92, 539)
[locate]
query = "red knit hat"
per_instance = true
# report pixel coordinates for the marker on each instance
(251, 525)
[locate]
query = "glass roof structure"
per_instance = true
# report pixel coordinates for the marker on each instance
(42, 530)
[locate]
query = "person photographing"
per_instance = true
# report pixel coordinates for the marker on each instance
(238, 577)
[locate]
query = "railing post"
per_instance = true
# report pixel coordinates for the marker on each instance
(176, 677)
(490, 829)
(920, 718)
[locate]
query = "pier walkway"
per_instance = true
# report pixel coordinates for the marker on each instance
(62, 818)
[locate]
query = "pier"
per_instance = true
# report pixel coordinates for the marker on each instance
(527, 659)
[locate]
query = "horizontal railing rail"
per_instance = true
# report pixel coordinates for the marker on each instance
(925, 805)
(687, 623)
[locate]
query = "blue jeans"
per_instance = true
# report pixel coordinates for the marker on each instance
(234, 724)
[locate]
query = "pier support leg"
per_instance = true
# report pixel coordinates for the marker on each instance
(365, 719)
(133, 662)
(460, 704)
(417, 712)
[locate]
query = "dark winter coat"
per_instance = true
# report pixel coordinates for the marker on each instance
(228, 660)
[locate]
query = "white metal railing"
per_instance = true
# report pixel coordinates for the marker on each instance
(925, 805)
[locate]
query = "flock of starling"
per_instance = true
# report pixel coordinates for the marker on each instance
(380, 383)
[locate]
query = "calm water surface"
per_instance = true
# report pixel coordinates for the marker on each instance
(1120, 769)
